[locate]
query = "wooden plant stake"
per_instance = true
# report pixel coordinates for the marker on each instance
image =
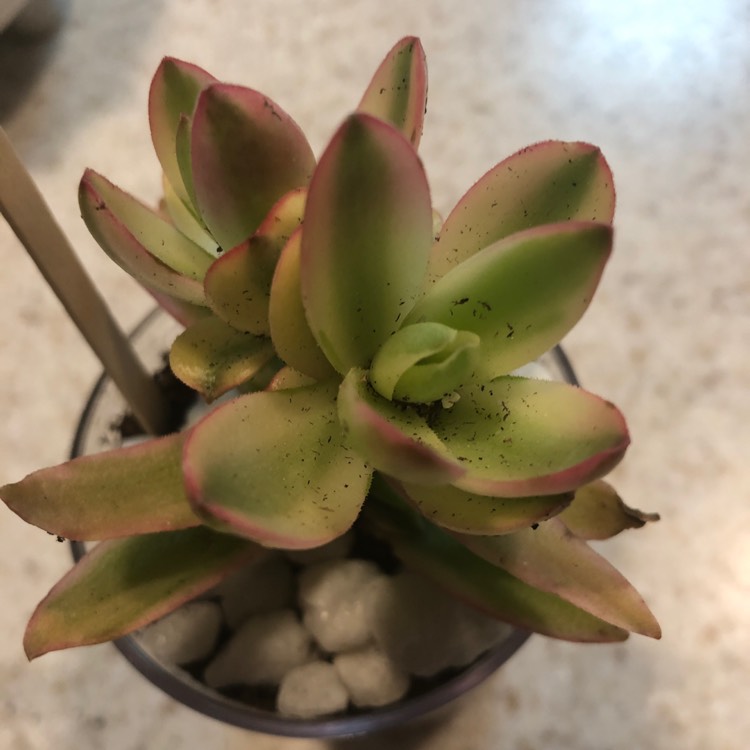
(33, 223)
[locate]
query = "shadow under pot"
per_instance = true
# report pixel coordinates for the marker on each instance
(193, 655)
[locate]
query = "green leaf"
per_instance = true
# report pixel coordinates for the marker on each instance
(185, 220)
(286, 478)
(246, 154)
(475, 581)
(522, 294)
(132, 490)
(517, 437)
(288, 377)
(159, 237)
(129, 250)
(545, 183)
(551, 559)
(184, 151)
(598, 512)
(470, 513)
(174, 91)
(238, 285)
(212, 357)
(290, 331)
(397, 92)
(393, 438)
(122, 585)
(424, 362)
(367, 234)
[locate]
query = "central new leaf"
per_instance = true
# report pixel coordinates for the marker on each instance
(366, 240)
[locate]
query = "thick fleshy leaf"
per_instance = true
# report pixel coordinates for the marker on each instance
(367, 235)
(468, 577)
(174, 91)
(517, 437)
(397, 92)
(128, 250)
(290, 331)
(132, 490)
(552, 559)
(470, 513)
(183, 312)
(238, 285)
(212, 357)
(122, 585)
(545, 183)
(424, 362)
(246, 154)
(393, 438)
(598, 512)
(158, 236)
(184, 220)
(184, 150)
(522, 294)
(287, 378)
(286, 478)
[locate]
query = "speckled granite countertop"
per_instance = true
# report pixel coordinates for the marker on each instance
(663, 89)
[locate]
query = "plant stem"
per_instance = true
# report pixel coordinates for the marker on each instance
(33, 223)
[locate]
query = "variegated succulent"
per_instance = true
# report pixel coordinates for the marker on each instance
(373, 352)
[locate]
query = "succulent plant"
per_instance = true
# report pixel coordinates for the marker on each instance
(374, 351)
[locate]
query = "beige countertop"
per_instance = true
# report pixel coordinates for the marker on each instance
(663, 89)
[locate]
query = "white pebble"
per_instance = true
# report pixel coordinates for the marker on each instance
(335, 612)
(312, 690)
(186, 635)
(263, 586)
(371, 678)
(262, 651)
(423, 630)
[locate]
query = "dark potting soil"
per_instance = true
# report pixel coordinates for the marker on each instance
(178, 397)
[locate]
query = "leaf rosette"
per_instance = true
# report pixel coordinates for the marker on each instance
(396, 342)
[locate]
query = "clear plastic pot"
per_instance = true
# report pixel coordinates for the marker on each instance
(98, 431)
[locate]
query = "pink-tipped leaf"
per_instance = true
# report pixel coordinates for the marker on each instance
(468, 577)
(517, 437)
(522, 294)
(174, 91)
(238, 285)
(397, 92)
(131, 250)
(290, 331)
(212, 357)
(274, 467)
(125, 584)
(158, 236)
(392, 438)
(545, 183)
(470, 513)
(246, 154)
(367, 234)
(118, 493)
(550, 558)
